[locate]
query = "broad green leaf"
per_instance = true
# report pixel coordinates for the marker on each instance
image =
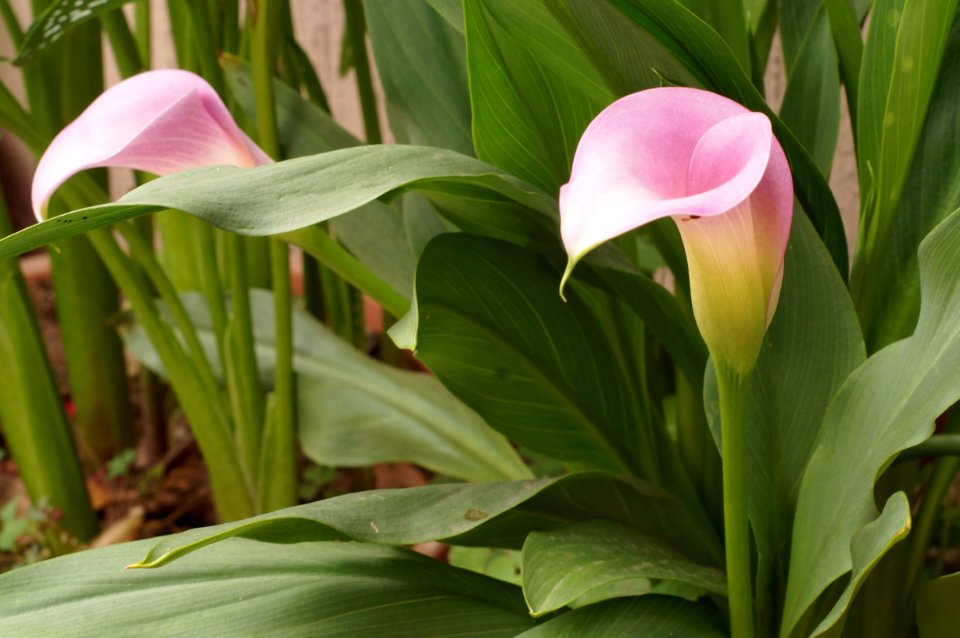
(355, 411)
(57, 19)
(709, 59)
(374, 232)
(493, 328)
(811, 347)
(502, 564)
(568, 563)
(476, 514)
(901, 60)
(938, 614)
(644, 617)
(889, 295)
(796, 18)
(869, 544)
(527, 117)
(541, 70)
(247, 588)
(421, 62)
(300, 192)
(845, 19)
(728, 18)
(887, 404)
(663, 315)
(811, 104)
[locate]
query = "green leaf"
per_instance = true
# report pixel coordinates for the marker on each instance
(355, 411)
(527, 118)
(811, 347)
(886, 405)
(374, 232)
(889, 296)
(303, 127)
(709, 59)
(900, 65)
(301, 192)
(245, 588)
(493, 328)
(647, 616)
(502, 564)
(543, 372)
(729, 20)
(541, 70)
(811, 104)
(937, 612)
(421, 62)
(796, 18)
(477, 514)
(57, 19)
(565, 564)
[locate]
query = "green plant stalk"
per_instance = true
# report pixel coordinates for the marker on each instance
(356, 32)
(944, 471)
(232, 492)
(278, 476)
(318, 243)
(732, 389)
(12, 23)
(142, 33)
(205, 44)
(122, 42)
(240, 364)
(35, 425)
(142, 254)
(87, 297)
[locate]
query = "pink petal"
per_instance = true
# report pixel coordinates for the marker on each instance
(714, 167)
(160, 122)
(631, 166)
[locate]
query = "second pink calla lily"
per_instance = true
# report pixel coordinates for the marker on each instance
(160, 122)
(717, 170)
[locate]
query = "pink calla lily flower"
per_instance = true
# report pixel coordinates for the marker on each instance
(716, 169)
(161, 122)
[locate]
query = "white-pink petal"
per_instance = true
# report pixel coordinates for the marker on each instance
(159, 122)
(716, 168)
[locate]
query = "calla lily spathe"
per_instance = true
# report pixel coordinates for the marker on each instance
(717, 170)
(161, 122)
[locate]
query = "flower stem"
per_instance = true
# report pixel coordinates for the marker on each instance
(732, 388)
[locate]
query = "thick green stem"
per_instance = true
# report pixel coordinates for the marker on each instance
(357, 33)
(240, 363)
(944, 471)
(318, 243)
(232, 492)
(12, 23)
(732, 388)
(122, 42)
(35, 425)
(278, 474)
(142, 33)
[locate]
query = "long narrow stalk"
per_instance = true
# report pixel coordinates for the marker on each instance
(232, 492)
(122, 42)
(356, 32)
(733, 404)
(318, 243)
(142, 22)
(35, 425)
(944, 471)
(240, 364)
(11, 22)
(278, 477)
